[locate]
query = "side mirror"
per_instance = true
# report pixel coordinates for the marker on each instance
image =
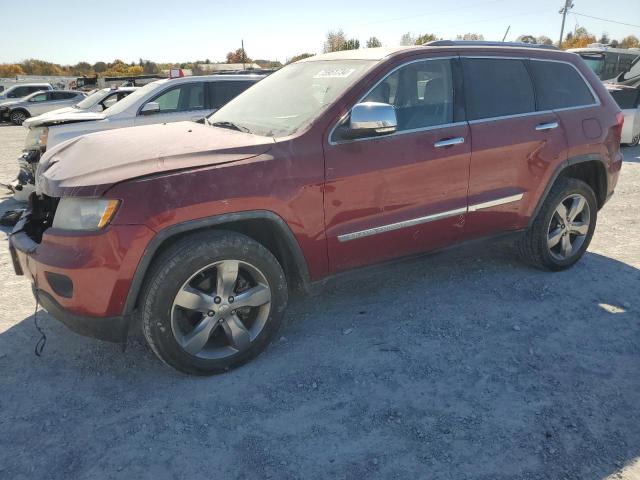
(373, 118)
(150, 107)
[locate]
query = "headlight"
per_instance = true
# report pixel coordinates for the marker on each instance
(42, 138)
(84, 213)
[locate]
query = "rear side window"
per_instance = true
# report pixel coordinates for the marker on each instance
(497, 87)
(626, 98)
(62, 95)
(36, 89)
(222, 92)
(559, 85)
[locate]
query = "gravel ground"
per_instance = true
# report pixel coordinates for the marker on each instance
(461, 365)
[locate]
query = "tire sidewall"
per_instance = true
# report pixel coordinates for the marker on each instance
(174, 270)
(565, 188)
(15, 121)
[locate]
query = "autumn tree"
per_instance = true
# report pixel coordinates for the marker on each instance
(373, 42)
(580, 38)
(10, 70)
(335, 41)
(239, 56)
(425, 38)
(630, 41)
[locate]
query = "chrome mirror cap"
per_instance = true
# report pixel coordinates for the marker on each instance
(373, 117)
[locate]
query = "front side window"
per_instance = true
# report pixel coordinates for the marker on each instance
(421, 93)
(62, 95)
(41, 97)
(496, 87)
(559, 85)
(291, 98)
(182, 98)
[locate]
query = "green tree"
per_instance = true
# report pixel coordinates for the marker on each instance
(373, 42)
(300, 56)
(351, 44)
(99, 67)
(425, 38)
(527, 39)
(544, 40)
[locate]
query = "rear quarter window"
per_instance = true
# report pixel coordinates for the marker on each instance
(496, 87)
(559, 85)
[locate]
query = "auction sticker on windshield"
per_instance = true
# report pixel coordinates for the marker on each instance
(335, 73)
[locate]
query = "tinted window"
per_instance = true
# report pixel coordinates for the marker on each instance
(421, 92)
(222, 92)
(559, 85)
(496, 88)
(184, 97)
(62, 95)
(626, 98)
(19, 92)
(36, 89)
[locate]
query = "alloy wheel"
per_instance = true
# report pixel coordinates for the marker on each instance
(221, 309)
(568, 227)
(18, 118)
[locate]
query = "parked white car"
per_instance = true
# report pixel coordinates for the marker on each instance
(98, 101)
(162, 101)
(38, 103)
(628, 99)
(21, 90)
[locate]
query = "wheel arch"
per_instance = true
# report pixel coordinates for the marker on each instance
(20, 109)
(591, 169)
(263, 226)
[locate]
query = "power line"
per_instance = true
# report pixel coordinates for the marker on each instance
(606, 19)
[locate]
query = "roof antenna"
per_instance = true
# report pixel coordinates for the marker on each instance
(506, 33)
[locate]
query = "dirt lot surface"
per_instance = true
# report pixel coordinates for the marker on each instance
(461, 365)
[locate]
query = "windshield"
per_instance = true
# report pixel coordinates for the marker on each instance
(291, 98)
(131, 99)
(92, 99)
(594, 61)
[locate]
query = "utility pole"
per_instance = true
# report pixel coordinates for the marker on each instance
(568, 5)
(243, 55)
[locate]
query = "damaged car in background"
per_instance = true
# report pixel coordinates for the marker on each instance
(161, 101)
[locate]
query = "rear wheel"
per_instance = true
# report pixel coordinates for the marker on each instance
(18, 116)
(562, 230)
(213, 301)
(635, 141)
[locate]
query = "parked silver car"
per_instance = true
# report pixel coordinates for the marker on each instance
(21, 90)
(39, 103)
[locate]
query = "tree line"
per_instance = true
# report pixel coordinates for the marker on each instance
(336, 40)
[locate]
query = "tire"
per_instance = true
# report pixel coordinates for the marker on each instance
(634, 142)
(18, 116)
(550, 228)
(179, 326)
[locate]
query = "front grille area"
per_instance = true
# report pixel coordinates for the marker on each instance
(42, 210)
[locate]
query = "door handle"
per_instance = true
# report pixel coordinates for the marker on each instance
(448, 142)
(547, 126)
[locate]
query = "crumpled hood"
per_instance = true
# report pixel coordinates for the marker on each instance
(90, 164)
(59, 116)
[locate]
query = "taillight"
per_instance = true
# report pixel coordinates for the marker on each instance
(619, 124)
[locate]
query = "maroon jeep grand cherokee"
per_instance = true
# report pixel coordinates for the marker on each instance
(340, 160)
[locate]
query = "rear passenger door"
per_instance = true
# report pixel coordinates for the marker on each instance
(513, 143)
(179, 103)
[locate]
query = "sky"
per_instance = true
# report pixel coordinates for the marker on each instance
(189, 30)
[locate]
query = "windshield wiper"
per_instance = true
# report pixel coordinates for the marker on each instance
(231, 126)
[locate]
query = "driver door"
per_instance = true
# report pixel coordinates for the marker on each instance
(404, 192)
(179, 103)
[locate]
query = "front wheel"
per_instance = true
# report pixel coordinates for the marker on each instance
(635, 141)
(18, 117)
(213, 301)
(562, 230)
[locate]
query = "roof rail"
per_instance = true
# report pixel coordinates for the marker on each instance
(482, 43)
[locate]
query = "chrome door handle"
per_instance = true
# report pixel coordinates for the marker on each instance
(547, 126)
(448, 142)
